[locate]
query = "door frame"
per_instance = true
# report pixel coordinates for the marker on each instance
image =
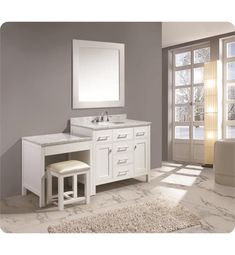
(225, 82)
(171, 102)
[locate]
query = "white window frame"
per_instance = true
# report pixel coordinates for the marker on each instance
(225, 61)
(190, 48)
(188, 150)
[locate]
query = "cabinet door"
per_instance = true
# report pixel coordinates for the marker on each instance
(140, 156)
(103, 163)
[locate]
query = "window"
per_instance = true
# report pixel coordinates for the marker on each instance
(183, 77)
(201, 55)
(188, 84)
(229, 87)
(198, 132)
(183, 59)
(182, 132)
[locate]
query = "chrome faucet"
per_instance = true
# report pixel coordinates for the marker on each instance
(101, 117)
(107, 115)
(103, 114)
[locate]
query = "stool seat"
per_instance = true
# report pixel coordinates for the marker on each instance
(68, 169)
(68, 166)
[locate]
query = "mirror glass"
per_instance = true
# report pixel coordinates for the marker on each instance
(98, 74)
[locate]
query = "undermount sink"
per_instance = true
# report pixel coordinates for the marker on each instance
(118, 122)
(106, 123)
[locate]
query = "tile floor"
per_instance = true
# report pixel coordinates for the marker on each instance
(190, 185)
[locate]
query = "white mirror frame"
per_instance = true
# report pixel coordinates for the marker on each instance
(77, 44)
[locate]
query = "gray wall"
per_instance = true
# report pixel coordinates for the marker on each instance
(215, 55)
(36, 83)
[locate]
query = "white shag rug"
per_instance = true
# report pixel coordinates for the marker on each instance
(147, 217)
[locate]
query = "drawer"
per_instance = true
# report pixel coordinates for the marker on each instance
(66, 148)
(122, 147)
(122, 159)
(123, 172)
(141, 132)
(103, 136)
(122, 134)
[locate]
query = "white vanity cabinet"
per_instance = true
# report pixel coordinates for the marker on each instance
(121, 154)
(118, 153)
(141, 150)
(140, 155)
(103, 162)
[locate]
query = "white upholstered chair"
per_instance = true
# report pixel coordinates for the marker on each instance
(224, 162)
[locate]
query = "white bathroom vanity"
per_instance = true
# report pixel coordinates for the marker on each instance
(120, 148)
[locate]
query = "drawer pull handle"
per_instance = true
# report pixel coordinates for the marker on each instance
(122, 149)
(102, 138)
(122, 161)
(140, 133)
(122, 136)
(122, 173)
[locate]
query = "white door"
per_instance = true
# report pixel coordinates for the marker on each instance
(103, 163)
(188, 102)
(140, 156)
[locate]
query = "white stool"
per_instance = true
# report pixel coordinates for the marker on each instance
(70, 168)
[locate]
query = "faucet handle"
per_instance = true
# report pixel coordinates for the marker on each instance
(96, 119)
(102, 116)
(107, 115)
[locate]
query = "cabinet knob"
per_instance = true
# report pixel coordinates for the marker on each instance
(135, 147)
(110, 150)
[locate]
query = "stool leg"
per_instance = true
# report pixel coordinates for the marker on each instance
(87, 188)
(61, 193)
(75, 183)
(49, 187)
(42, 193)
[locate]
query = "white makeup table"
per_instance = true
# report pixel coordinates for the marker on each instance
(36, 148)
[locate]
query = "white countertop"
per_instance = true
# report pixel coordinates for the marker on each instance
(55, 139)
(110, 125)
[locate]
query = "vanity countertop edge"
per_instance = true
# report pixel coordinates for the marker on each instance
(128, 123)
(55, 139)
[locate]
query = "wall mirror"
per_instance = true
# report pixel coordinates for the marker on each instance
(98, 74)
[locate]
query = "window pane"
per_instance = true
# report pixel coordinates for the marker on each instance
(231, 49)
(198, 94)
(201, 55)
(231, 111)
(198, 113)
(231, 91)
(182, 113)
(198, 132)
(182, 95)
(231, 71)
(182, 132)
(198, 75)
(182, 77)
(183, 59)
(230, 132)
